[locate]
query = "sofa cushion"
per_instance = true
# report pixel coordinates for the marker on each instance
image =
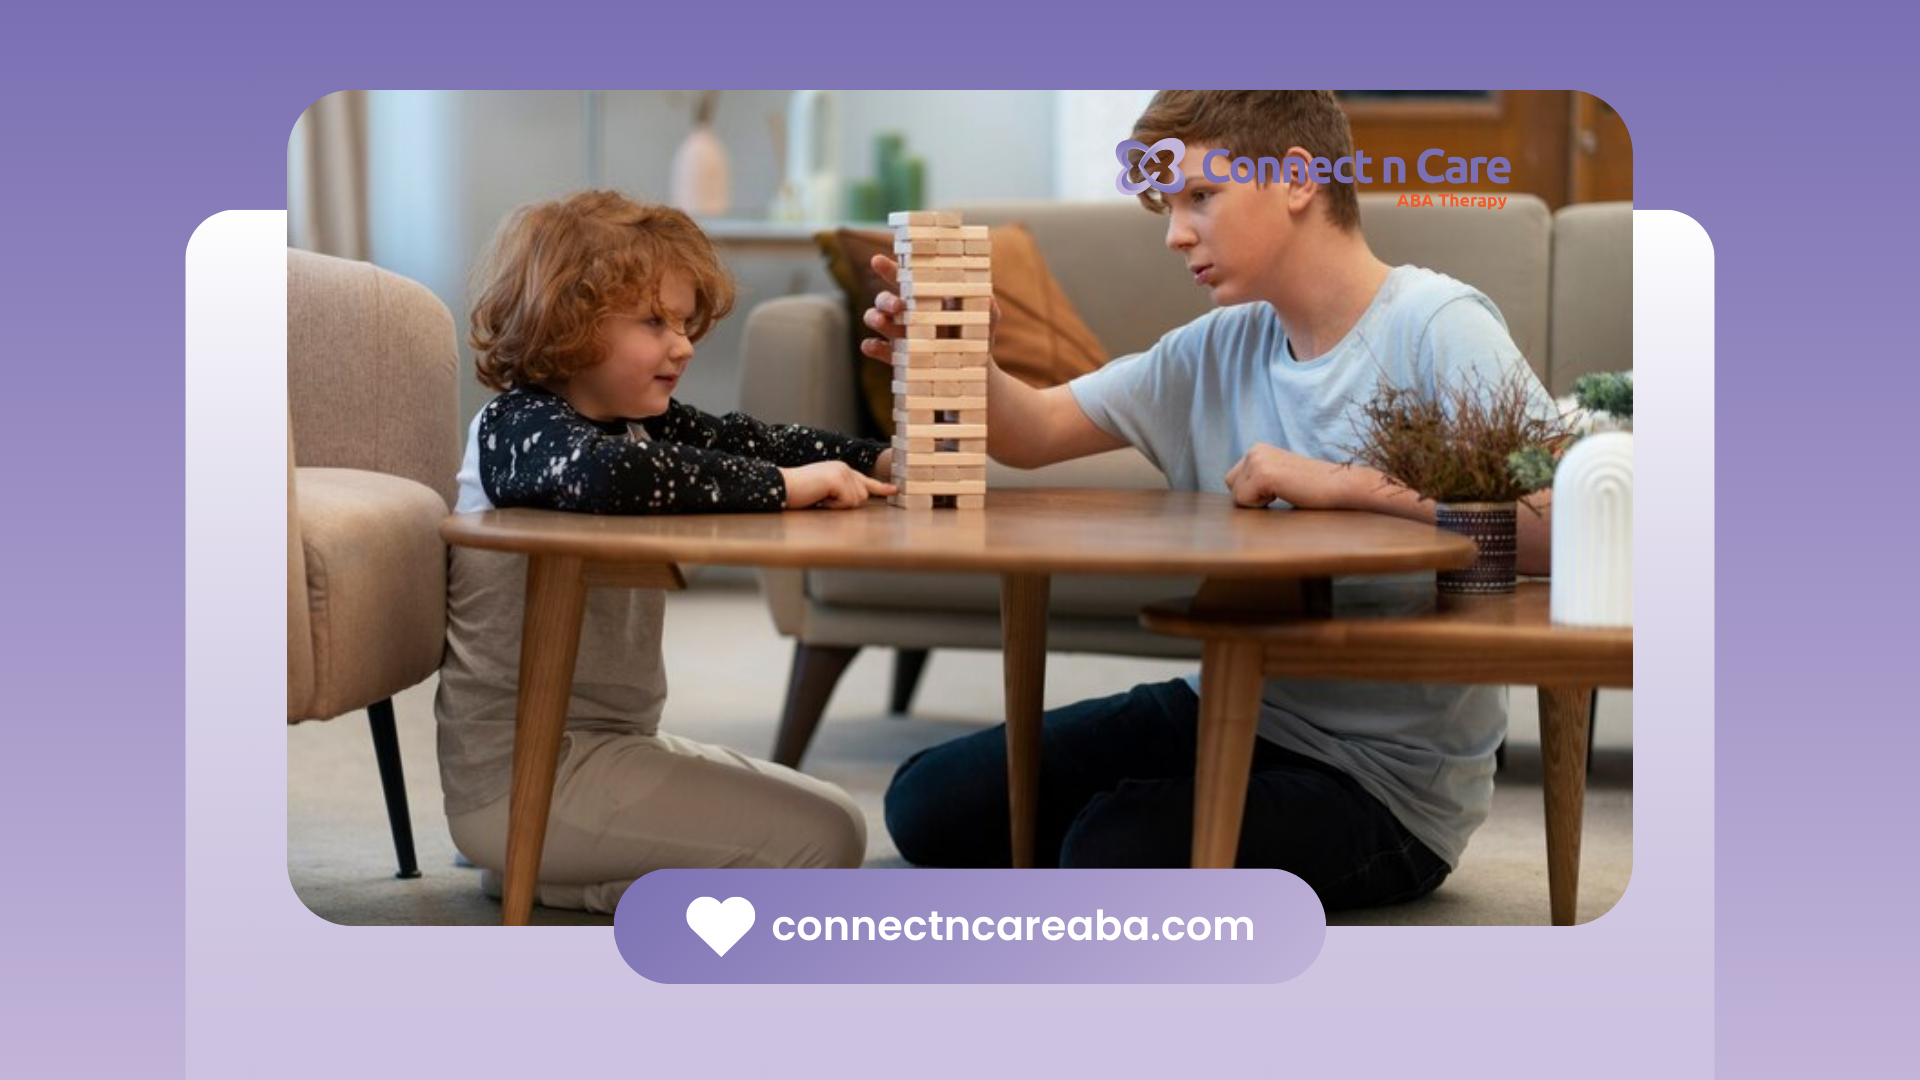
(376, 585)
(1041, 339)
(1592, 322)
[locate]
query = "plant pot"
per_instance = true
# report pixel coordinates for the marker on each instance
(1494, 527)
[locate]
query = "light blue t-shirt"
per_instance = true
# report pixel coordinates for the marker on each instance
(1197, 401)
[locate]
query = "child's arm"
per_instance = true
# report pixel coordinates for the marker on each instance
(536, 451)
(786, 445)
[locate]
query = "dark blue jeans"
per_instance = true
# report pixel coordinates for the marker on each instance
(1116, 790)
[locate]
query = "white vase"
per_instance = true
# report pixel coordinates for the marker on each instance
(701, 185)
(1593, 533)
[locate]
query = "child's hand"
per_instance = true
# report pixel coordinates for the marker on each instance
(884, 316)
(1267, 473)
(832, 484)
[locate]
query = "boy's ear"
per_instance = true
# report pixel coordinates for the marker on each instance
(1300, 193)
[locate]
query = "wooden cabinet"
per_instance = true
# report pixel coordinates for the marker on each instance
(1564, 146)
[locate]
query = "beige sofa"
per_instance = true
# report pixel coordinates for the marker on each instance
(1563, 282)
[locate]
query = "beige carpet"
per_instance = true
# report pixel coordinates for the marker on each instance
(340, 855)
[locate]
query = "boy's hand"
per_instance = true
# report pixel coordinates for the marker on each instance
(884, 316)
(832, 484)
(1267, 473)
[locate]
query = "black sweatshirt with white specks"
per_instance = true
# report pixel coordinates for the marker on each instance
(537, 451)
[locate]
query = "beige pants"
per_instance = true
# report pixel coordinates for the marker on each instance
(624, 805)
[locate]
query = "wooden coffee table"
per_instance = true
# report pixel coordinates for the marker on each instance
(1272, 562)
(1501, 640)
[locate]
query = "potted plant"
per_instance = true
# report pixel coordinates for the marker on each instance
(1456, 448)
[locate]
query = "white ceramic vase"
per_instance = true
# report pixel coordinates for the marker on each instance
(701, 184)
(1593, 532)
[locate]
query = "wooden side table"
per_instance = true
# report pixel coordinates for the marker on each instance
(1502, 640)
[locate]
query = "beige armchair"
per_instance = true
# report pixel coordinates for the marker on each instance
(1574, 268)
(372, 449)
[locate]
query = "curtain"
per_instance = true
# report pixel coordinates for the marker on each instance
(327, 177)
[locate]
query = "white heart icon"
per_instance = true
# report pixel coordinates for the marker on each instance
(720, 925)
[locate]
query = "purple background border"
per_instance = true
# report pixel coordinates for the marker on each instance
(126, 132)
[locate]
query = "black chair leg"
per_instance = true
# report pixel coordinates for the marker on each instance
(816, 671)
(907, 666)
(393, 784)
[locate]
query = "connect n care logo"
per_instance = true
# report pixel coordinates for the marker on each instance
(1174, 148)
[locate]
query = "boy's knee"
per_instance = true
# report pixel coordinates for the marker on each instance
(1115, 832)
(920, 808)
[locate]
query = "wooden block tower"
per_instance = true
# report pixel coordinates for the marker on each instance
(940, 366)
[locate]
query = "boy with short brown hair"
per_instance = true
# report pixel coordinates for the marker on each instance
(1367, 791)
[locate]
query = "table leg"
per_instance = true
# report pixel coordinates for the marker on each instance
(549, 645)
(1229, 714)
(1565, 718)
(1023, 639)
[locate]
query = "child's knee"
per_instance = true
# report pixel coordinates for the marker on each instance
(833, 834)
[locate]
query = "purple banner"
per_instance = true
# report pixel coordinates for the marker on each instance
(970, 926)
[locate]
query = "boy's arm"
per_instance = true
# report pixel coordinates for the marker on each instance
(1029, 428)
(1267, 473)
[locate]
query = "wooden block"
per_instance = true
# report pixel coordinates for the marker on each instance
(972, 444)
(945, 219)
(951, 388)
(926, 290)
(970, 502)
(962, 433)
(965, 405)
(944, 376)
(918, 276)
(909, 420)
(946, 318)
(973, 333)
(926, 333)
(944, 473)
(911, 502)
(952, 262)
(903, 444)
(956, 487)
(918, 367)
(977, 303)
(920, 346)
(917, 388)
(976, 277)
(914, 472)
(929, 247)
(977, 247)
(946, 459)
(936, 232)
